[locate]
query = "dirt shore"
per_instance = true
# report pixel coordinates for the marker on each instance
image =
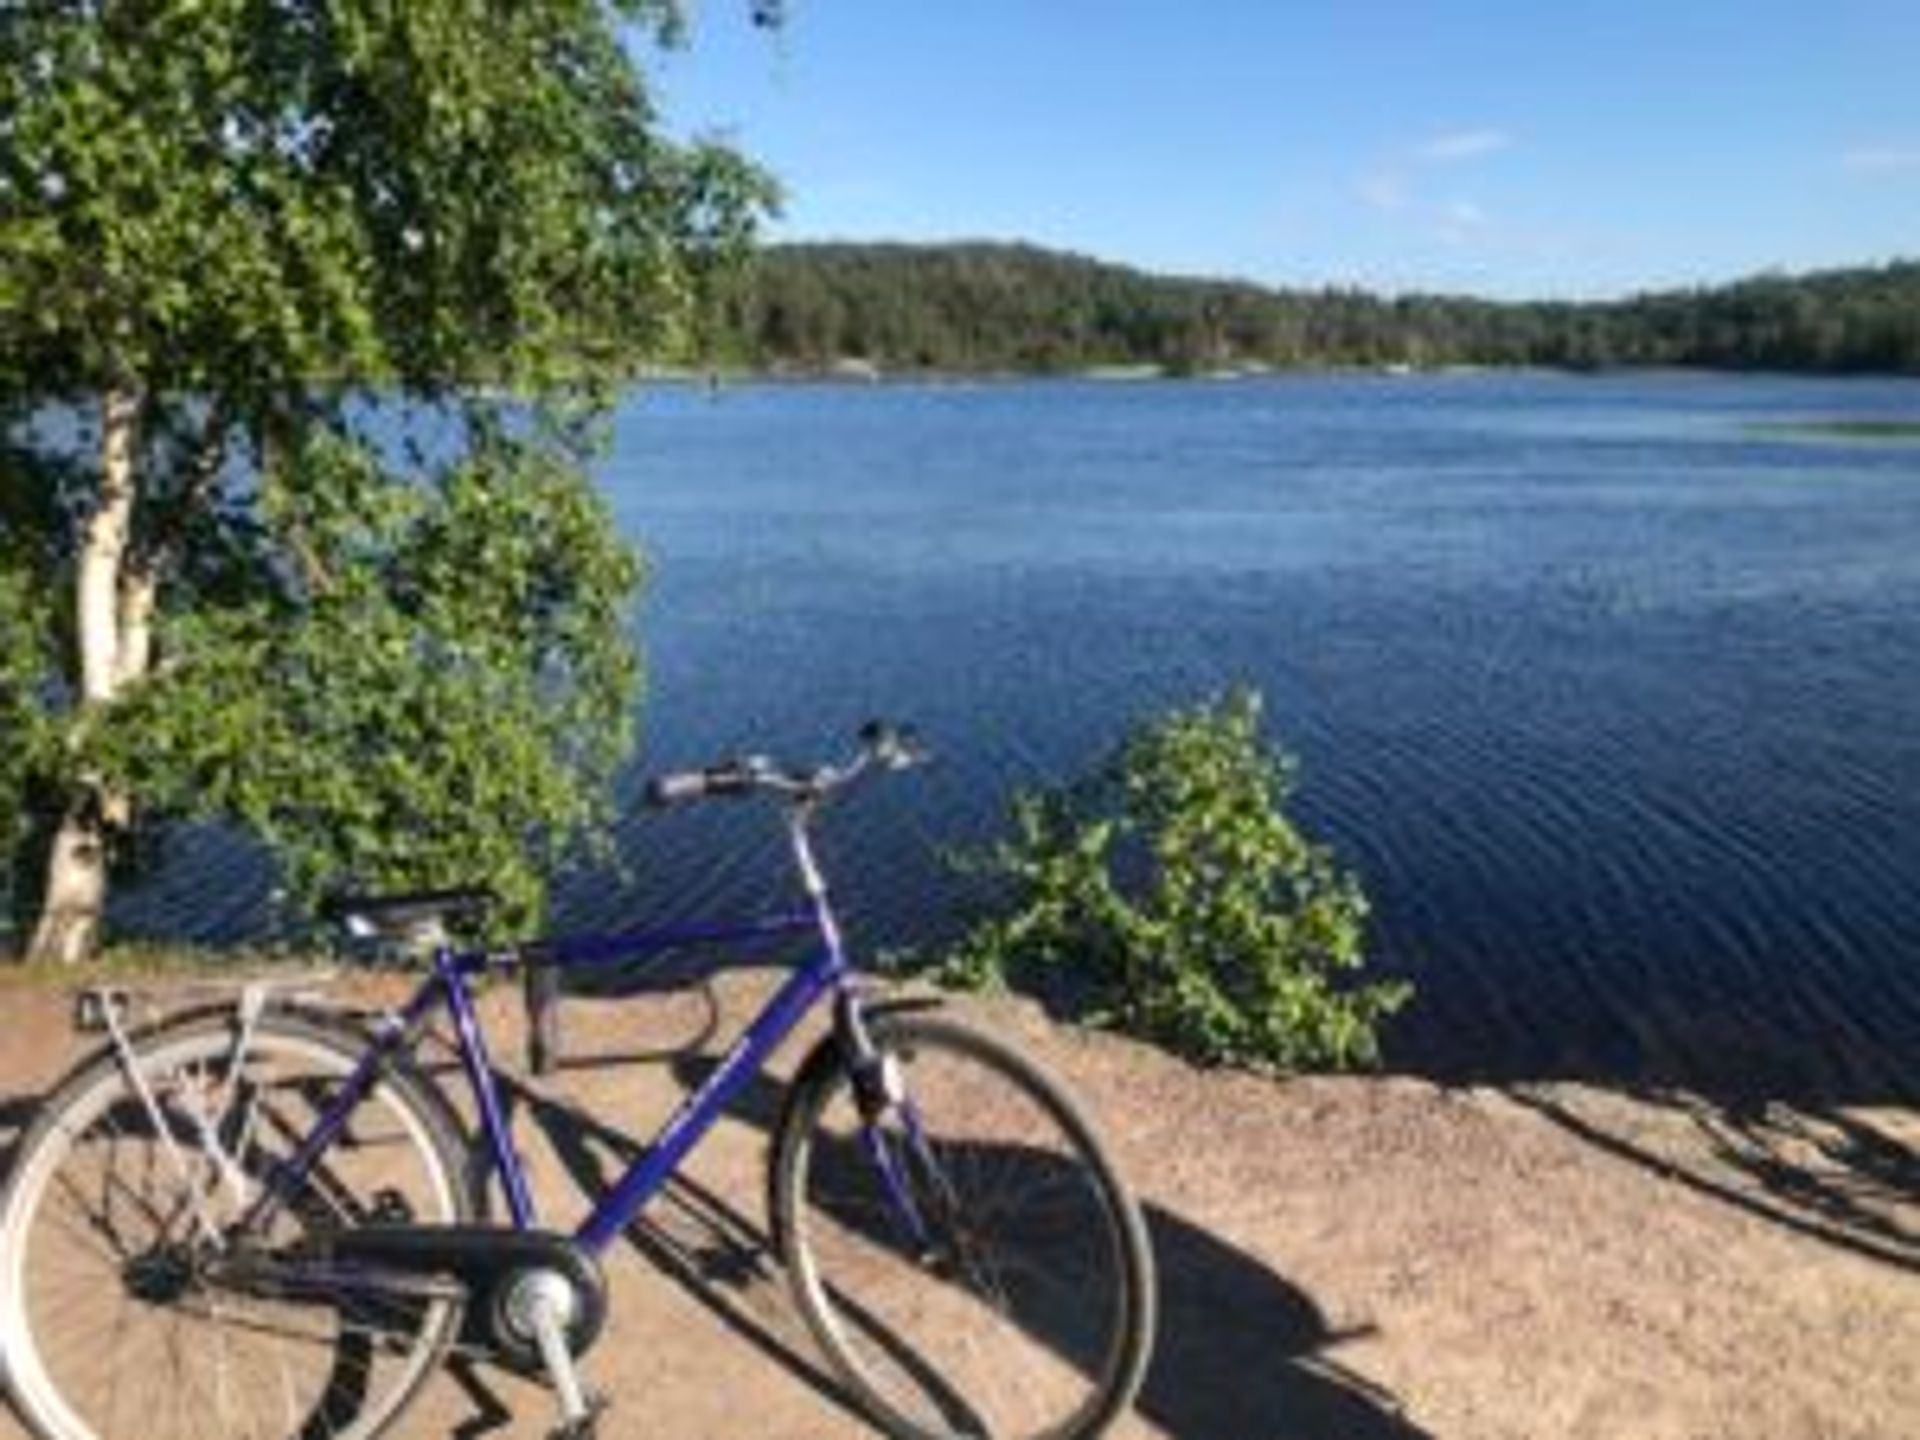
(1341, 1259)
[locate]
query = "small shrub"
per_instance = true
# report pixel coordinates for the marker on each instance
(1169, 896)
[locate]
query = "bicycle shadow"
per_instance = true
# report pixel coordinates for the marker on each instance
(1240, 1351)
(17, 1113)
(696, 1238)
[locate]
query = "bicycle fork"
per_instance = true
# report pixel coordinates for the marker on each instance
(881, 1093)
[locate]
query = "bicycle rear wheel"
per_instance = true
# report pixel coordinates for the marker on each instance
(960, 1245)
(125, 1308)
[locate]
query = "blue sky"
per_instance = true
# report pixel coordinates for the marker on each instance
(1498, 147)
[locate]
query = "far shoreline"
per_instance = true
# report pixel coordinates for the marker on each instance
(855, 373)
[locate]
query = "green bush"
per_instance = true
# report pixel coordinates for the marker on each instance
(1169, 896)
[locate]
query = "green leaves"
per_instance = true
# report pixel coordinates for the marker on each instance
(440, 698)
(224, 194)
(298, 231)
(1170, 896)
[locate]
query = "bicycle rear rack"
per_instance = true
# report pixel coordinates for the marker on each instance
(102, 1009)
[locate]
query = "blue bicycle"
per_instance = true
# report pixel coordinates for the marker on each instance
(260, 1219)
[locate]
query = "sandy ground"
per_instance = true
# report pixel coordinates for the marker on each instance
(1341, 1259)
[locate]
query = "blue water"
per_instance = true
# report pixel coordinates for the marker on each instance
(1612, 701)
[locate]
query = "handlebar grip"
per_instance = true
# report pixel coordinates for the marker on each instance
(678, 788)
(730, 777)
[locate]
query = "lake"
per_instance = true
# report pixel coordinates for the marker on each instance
(1611, 698)
(1609, 693)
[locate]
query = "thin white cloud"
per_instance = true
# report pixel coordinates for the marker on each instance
(1461, 222)
(1402, 183)
(1462, 145)
(1384, 190)
(1880, 159)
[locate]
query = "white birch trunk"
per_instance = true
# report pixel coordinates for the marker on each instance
(113, 632)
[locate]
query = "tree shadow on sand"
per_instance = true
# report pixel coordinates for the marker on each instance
(1240, 1352)
(1825, 1146)
(1835, 1175)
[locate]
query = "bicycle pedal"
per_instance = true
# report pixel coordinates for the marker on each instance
(587, 1426)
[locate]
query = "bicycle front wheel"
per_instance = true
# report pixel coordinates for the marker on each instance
(958, 1242)
(127, 1309)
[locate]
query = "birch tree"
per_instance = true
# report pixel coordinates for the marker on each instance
(306, 311)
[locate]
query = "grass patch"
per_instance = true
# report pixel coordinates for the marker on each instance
(1895, 430)
(133, 963)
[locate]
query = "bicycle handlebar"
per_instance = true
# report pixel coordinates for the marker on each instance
(422, 919)
(887, 746)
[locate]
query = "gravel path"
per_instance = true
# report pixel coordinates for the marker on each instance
(1342, 1259)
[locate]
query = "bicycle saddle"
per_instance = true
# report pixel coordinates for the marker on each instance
(414, 916)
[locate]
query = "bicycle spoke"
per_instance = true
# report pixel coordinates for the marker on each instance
(125, 1279)
(93, 1235)
(1022, 1318)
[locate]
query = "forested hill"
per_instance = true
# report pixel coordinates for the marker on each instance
(993, 307)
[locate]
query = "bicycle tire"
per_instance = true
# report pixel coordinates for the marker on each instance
(334, 1371)
(962, 1336)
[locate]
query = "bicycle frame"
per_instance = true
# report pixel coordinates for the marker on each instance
(265, 1202)
(825, 971)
